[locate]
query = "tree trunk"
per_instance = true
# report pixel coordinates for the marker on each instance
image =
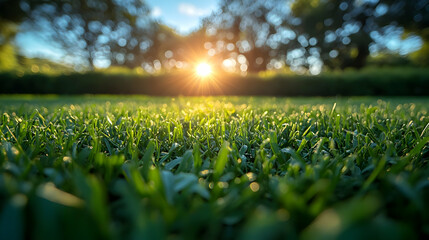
(360, 60)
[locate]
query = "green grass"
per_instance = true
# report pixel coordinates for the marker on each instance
(209, 168)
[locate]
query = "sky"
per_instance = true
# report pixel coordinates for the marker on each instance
(184, 16)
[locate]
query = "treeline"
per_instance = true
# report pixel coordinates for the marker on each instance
(385, 82)
(241, 36)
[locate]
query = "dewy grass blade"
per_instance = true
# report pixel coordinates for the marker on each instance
(221, 160)
(147, 158)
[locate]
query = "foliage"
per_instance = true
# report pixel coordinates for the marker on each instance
(10, 15)
(421, 57)
(391, 60)
(8, 61)
(40, 65)
(231, 168)
(343, 30)
(310, 33)
(249, 29)
(241, 36)
(93, 30)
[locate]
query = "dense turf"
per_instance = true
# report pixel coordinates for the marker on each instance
(210, 168)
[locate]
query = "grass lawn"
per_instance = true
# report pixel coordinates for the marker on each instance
(118, 167)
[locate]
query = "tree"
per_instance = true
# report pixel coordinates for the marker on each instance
(307, 34)
(96, 32)
(159, 48)
(11, 15)
(247, 33)
(344, 29)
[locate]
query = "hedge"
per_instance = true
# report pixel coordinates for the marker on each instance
(386, 82)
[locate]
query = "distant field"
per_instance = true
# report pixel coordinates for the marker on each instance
(116, 167)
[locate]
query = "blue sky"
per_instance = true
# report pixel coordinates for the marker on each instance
(184, 16)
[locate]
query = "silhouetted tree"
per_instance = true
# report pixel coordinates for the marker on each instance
(93, 30)
(343, 30)
(11, 15)
(303, 33)
(159, 48)
(247, 28)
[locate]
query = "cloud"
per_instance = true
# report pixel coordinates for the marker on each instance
(191, 10)
(156, 12)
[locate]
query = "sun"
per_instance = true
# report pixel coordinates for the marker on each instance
(203, 69)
